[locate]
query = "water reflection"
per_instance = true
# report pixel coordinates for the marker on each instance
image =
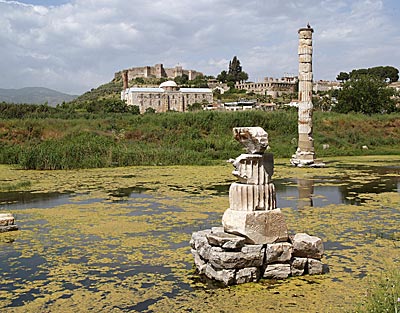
(305, 189)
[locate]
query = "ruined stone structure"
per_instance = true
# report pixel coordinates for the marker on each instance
(167, 97)
(324, 85)
(270, 86)
(7, 222)
(254, 241)
(158, 71)
(305, 154)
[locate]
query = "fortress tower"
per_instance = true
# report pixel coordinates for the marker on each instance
(305, 154)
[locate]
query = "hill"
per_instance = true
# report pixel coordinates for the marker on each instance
(34, 95)
(111, 90)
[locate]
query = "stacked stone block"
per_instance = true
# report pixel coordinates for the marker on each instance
(227, 258)
(254, 242)
(7, 222)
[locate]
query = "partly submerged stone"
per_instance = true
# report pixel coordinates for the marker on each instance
(315, 267)
(225, 276)
(254, 139)
(259, 227)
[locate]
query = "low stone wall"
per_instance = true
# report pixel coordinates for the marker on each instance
(227, 258)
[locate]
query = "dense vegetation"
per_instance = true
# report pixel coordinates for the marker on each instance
(366, 94)
(62, 140)
(385, 73)
(365, 91)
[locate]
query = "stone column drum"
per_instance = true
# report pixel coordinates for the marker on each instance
(252, 212)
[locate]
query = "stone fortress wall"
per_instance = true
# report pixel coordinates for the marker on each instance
(158, 71)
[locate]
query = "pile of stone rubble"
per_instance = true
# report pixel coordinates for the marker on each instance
(254, 242)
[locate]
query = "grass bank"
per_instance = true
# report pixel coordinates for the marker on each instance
(200, 138)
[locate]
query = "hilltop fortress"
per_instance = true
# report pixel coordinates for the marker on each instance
(158, 71)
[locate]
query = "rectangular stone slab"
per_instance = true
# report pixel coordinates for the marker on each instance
(259, 227)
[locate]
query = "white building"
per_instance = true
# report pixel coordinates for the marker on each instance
(167, 97)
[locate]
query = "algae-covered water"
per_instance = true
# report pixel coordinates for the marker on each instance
(117, 240)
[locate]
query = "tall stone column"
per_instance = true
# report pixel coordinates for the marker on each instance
(305, 154)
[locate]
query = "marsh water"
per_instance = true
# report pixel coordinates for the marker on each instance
(118, 239)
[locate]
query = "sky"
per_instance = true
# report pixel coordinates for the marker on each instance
(75, 45)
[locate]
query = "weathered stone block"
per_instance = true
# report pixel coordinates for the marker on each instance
(307, 246)
(278, 252)
(298, 265)
(255, 169)
(6, 219)
(247, 275)
(315, 267)
(254, 139)
(277, 271)
(200, 243)
(218, 229)
(225, 276)
(259, 227)
(226, 241)
(221, 259)
(198, 261)
(199, 237)
(253, 249)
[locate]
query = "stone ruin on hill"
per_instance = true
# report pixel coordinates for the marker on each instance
(254, 242)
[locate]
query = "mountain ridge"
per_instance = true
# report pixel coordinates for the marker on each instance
(34, 95)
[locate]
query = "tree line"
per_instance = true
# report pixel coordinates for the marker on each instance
(367, 91)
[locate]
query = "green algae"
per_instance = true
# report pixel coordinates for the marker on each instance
(101, 252)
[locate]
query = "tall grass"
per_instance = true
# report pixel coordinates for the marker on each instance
(384, 295)
(84, 150)
(182, 138)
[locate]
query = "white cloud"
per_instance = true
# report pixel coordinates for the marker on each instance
(77, 46)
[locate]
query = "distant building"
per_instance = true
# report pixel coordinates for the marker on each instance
(270, 86)
(158, 71)
(325, 85)
(167, 97)
(241, 105)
